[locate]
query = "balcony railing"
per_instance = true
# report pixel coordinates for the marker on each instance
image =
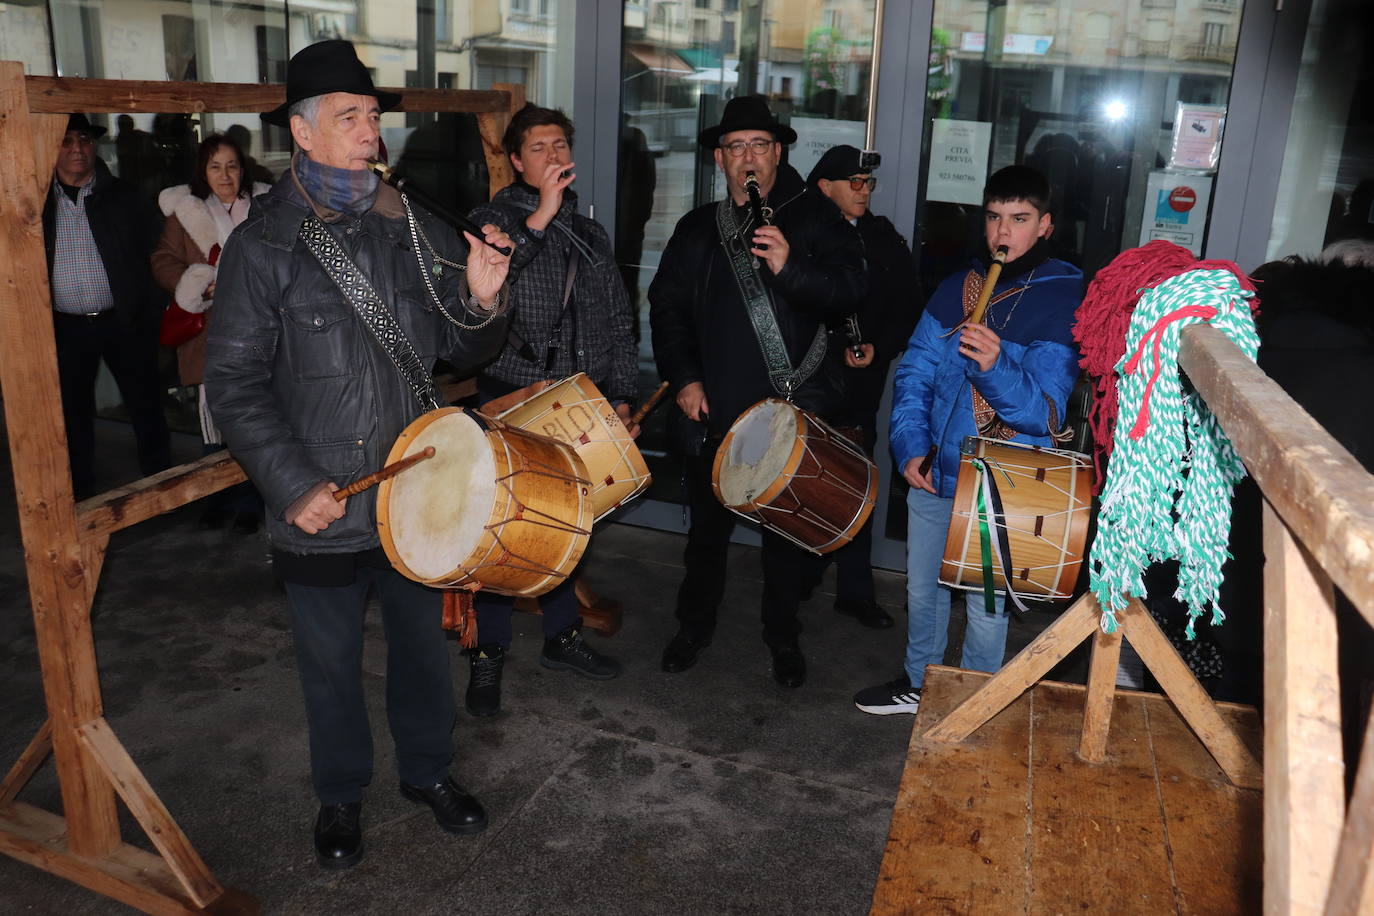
(1210, 53)
(1153, 48)
(1219, 6)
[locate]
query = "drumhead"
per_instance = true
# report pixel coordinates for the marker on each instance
(761, 443)
(438, 509)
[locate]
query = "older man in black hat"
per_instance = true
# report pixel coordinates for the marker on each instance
(883, 322)
(717, 313)
(328, 319)
(99, 237)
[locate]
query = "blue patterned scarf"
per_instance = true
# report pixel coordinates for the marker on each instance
(335, 191)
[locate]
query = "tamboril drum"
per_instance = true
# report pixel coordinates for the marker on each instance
(574, 411)
(793, 474)
(1039, 501)
(496, 506)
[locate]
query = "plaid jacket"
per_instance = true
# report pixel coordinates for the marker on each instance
(597, 332)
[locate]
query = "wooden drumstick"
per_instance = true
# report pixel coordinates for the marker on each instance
(648, 405)
(391, 470)
(924, 468)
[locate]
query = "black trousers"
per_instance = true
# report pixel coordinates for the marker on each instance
(82, 342)
(786, 567)
(327, 630)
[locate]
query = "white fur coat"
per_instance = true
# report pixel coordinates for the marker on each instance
(208, 225)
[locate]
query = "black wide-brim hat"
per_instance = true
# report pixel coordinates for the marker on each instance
(322, 68)
(838, 162)
(80, 122)
(746, 112)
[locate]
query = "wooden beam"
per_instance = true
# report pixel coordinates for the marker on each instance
(1097, 709)
(182, 859)
(61, 95)
(1316, 485)
(1177, 681)
(164, 491)
(1304, 780)
(32, 757)
(1020, 674)
(492, 127)
(128, 874)
(1352, 882)
(54, 556)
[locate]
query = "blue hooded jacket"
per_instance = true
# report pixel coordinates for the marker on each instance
(932, 401)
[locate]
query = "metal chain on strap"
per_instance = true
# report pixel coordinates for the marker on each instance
(784, 379)
(417, 235)
(359, 292)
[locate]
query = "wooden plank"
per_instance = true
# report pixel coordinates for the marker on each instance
(56, 94)
(1317, 487)
(148, 497)
(1097, 710)
(128, 874)
(1030, 664)
(1193, 703)
(1213, 826)
(48, 132)
(1352, 883)
(1304, 784)
(30, 759)
(1097, 833)
(492, 127)
(182, 859)
(958, 840)
(58, 587)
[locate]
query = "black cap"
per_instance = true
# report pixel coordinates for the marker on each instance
(322, 68)
(746, 112)
(838, 162)
(80, 122)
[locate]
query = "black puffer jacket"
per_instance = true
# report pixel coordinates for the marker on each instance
(126, 231)
(295, 380)
(701, 328)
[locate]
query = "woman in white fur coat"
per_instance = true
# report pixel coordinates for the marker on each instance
(200, 217)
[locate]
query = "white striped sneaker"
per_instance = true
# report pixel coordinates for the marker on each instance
(887, 699)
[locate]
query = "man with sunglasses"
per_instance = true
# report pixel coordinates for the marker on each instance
(884, 320)
(800, 269)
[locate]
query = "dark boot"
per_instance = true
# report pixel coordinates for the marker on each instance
(339, 835)
(568, 651)
(483, 697)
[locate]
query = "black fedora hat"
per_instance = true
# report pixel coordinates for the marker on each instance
(78, 121)
(322, 68)
(838, 162)
(746, 112)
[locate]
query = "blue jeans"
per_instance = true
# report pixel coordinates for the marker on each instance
(327, 630)
(927, 627)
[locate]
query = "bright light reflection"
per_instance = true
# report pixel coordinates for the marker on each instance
(1114, 110)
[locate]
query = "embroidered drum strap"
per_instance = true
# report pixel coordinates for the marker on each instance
(357, 289)
(989, 425)
(784, 378)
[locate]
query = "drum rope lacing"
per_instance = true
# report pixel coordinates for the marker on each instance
(417, 235)
(1172, 469)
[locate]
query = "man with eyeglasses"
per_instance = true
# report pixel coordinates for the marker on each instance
(802, 271)
(884, 321)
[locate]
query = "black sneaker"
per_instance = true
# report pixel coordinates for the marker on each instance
(483, 697)
(569, 651)
(888, 699)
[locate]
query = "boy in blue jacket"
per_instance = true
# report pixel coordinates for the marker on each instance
(1007, 378)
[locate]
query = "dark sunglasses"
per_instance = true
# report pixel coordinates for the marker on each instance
(858, 184)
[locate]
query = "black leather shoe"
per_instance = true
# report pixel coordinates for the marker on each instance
(339, 835)
(683, 650)
(868, 613)
(789, 668)
(454, 809)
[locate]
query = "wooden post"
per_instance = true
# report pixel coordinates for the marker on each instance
(492, 125)
(1304, 784)
(1097, 708)
(1352, 885)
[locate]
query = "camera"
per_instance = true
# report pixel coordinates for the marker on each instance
(869, 160)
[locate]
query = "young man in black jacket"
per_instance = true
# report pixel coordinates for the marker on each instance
(99, 237)
(807, 266)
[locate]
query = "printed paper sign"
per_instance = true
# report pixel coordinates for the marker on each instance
(1176, 209)
(958, 161)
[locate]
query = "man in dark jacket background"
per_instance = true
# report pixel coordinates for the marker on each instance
(809, 267)
(308, 400)
(99, 237)
(884, 320)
